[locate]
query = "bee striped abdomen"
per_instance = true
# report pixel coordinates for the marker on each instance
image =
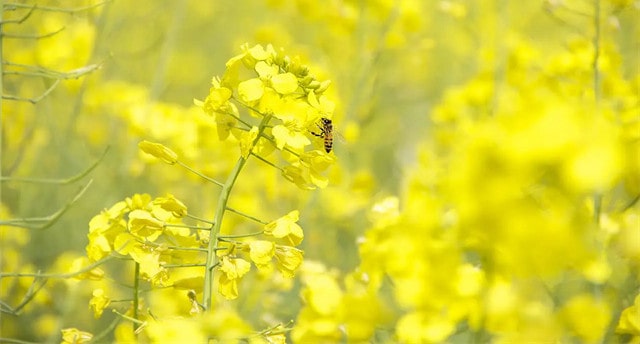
(327, 129)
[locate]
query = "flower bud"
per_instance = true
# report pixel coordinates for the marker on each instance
(159, 151)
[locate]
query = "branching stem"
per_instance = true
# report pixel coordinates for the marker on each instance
(199, 174)
(247, 215)
(220, 210)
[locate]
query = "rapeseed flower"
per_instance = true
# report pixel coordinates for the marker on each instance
(232, 270)
(288, 260)
(75, 336)
(144, 224)
(589, 329)
(261, 252)
(286, 228)
(171, 204)
(99, 302)
(629, 322)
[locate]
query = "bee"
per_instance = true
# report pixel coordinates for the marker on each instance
(326, 132)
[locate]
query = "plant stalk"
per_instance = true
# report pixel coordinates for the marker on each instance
(212, 259)
(136, 287)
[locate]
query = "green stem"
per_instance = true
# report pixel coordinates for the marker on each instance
(199, 174)
(136, 287)
(201, 220)
(126, 317)
(248, 235)
(54, 180)
(268, 162)
(57, 275)
(220, 210)
(247, 215)
(102, 336)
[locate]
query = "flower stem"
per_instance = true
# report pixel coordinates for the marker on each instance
(199, 174)
(136, 287)
(220, 210)
(246, 215)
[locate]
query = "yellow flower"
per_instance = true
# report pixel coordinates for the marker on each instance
(321, 319)
(251, 90)
(317, 161)
(176, 330)
(259, 53)
(172, 204)
(143, 224)
(261, 252)
(265, 70)
(138, 201)
(150, 265)
(217, 100)
(225, 122)
(99, 302)
(124, 243)
(306, 172)
(286, 228)
(288, 135)
(232, 270)
(75, 336)
(323, 293)
(628, 241)
(630, 319)
(421, 327)
(586, 317)
(299, 175)
(284, 83)
(123, 334)
(159, 151)
(278, 338)
(322, 104)
(187, 278)
(288, 260)
(268, 67)
(109, 223)
(98, 247)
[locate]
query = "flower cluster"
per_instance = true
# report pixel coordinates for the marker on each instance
(171, 254)
(143, 229)
(268, 83)
(152, 234)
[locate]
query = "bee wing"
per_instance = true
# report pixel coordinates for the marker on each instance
(337, 136)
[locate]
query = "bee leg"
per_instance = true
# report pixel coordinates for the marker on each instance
(322, 132)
